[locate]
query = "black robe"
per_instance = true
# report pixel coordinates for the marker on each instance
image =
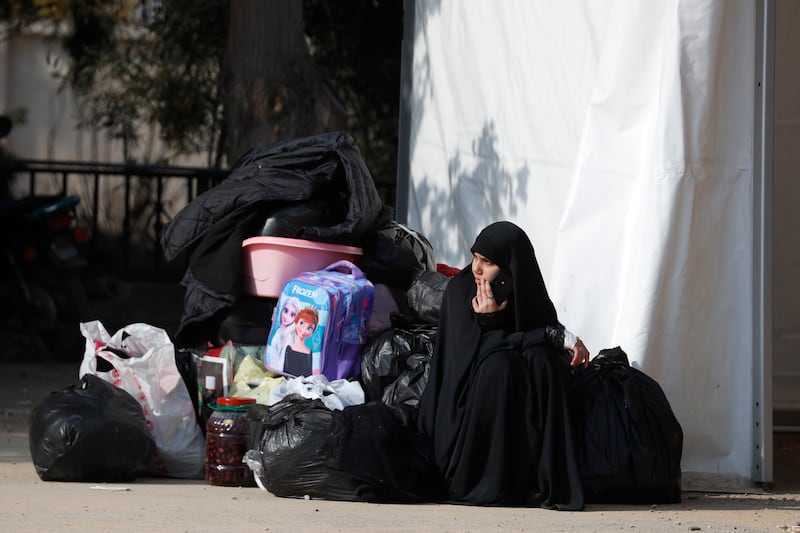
(495, 405)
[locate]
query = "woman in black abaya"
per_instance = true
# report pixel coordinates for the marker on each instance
(495, 405)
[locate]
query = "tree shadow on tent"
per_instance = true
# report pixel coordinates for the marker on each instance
(480, 190)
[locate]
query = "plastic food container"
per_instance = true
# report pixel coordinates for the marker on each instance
(269, 262)
(226, 443)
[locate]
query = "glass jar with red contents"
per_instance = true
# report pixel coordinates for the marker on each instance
(227, 442)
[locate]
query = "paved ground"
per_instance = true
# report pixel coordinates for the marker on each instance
(29, 504)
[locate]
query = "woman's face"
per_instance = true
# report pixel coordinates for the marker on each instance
(287, 315)
(483, 268)
(304, 329)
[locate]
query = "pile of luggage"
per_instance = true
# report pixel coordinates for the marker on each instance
(310, 318)
(296, 223)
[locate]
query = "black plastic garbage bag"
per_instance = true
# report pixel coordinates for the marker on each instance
(291, 444)
(90, 432)
(407, 388)
(395, 364)
(630, 442)
(425, 295)
(395, 254)
(370, 452)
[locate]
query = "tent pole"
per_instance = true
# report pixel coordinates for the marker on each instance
(406, 105)
(762, 242)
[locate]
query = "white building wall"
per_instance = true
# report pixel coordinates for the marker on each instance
(50, 132)
(27, 66)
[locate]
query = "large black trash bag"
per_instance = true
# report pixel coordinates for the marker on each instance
(291, 443)
(379, 446)
(90, 432)
(425, 295)
(395, 364)
(395, 254)
(369, 452)
(630, 442)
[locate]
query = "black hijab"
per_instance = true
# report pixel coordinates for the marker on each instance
(507, 245)
(459, 342)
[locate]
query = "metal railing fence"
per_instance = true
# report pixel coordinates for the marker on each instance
(125, 206)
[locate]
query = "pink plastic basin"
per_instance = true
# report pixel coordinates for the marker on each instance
(269, 262)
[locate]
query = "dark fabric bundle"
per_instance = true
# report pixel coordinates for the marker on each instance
(264, 193)
(378, 446)
(90, 432)
(327, 165)
(629, 441)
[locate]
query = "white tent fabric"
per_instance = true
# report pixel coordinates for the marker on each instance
(619, 134)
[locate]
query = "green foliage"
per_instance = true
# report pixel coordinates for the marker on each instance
(90, 43)
(17, 14)
(161, 67)
(188, 40)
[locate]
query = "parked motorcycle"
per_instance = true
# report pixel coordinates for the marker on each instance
(43, 270)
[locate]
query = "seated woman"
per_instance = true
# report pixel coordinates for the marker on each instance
(495, 405)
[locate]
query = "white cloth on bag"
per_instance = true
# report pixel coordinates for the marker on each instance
(150, 375)
(336, 394)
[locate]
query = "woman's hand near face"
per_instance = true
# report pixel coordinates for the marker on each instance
(484, 301)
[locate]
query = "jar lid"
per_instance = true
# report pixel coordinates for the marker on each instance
(233, 401)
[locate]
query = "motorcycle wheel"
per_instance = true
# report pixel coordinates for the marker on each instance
(42, 310)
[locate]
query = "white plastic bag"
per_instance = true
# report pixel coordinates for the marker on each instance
(336, 394)
(141, 361)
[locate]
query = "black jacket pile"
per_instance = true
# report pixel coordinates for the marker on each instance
(317, 188)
